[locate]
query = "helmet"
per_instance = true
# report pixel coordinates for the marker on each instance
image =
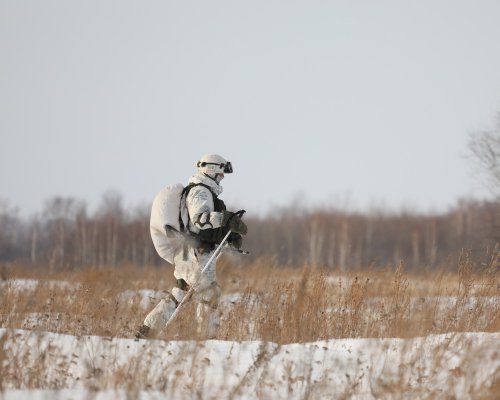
(213, 165)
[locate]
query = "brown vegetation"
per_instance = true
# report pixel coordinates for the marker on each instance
(263, 301)
(278, 304)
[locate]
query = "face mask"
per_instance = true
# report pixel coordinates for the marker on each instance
(219, 177)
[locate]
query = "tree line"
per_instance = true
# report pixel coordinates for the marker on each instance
(66, 235)
(350, 240)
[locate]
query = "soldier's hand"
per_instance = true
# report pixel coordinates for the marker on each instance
(236, 240)
(236, 225)
(226, 216)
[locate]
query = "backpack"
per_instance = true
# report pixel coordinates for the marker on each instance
(168, 221)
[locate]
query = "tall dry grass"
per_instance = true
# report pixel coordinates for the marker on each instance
(262, 301)
(283, 305)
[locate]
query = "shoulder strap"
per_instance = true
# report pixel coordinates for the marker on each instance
(183, 198)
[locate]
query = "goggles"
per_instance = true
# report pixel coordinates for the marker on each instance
(227, 167)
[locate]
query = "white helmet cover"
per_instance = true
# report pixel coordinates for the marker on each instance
(213, 164)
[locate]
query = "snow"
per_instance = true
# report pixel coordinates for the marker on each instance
(144, 298)
(45, 365)
(19, 285)
(449, 365)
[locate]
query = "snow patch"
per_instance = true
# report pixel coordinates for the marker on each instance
(445, 365)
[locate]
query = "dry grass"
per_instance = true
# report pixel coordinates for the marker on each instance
(283, 305)
(268, 303)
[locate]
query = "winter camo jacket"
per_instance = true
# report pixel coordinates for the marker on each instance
(204, 209)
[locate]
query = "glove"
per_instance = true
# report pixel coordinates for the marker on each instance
(226, 215)
(236, 240)
(236, 225)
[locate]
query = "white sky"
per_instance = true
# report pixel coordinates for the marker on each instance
(331, 102)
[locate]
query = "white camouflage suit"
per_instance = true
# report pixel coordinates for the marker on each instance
(189, 261)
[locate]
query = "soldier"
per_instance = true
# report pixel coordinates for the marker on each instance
(208, 222)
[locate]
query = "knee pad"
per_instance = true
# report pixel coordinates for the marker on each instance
(178, 294)
(159, 316)
(209, 295)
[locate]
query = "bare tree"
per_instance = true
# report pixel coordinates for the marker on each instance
(60, 213)
(9, 230)
(484, 149)
(112, 215)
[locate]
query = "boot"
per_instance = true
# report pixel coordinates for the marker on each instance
(143, 332)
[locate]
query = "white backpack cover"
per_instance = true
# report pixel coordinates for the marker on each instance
(165, 211)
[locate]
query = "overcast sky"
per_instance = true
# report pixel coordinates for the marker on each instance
(347, 103)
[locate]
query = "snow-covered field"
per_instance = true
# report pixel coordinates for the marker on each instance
(36, 362)
(437, 366)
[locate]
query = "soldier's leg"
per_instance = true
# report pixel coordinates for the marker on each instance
(188, 266)
(185, 270)
(207, 295)
(159, 316)
(207, 311)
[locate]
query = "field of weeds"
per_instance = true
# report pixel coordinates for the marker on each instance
(73, 330)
